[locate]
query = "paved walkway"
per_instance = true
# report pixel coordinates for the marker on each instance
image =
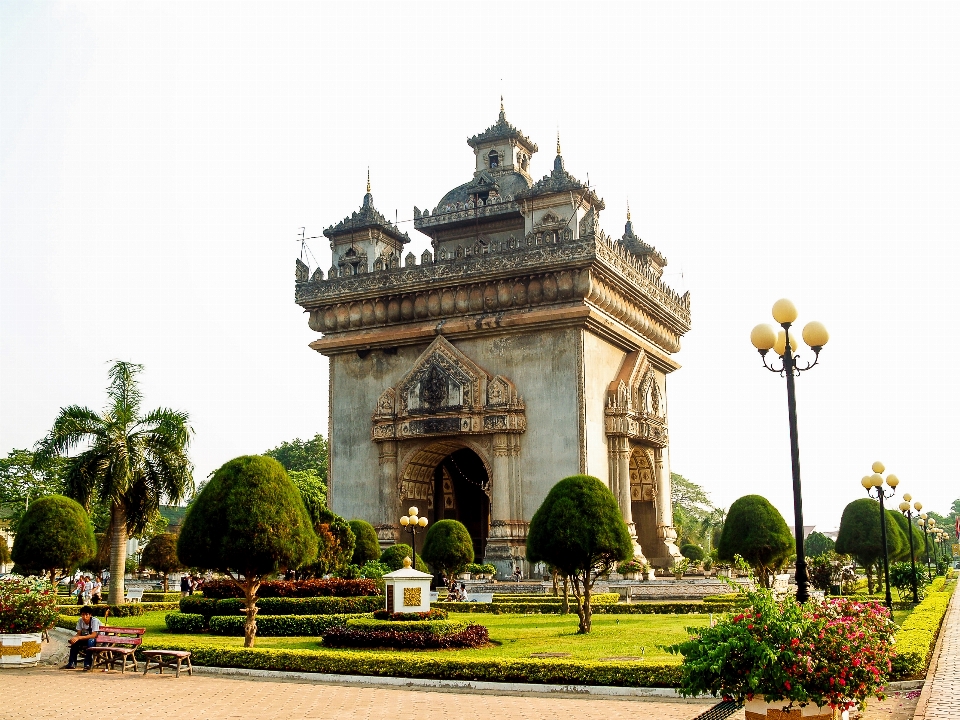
(43, 692)
(941, 696)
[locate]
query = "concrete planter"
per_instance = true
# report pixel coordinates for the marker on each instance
(759, 709)
(649, 575)
(19, 650)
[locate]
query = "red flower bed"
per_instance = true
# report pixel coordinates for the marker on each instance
(474, 636)
(334, 587)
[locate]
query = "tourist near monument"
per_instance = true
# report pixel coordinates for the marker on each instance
(524, 346)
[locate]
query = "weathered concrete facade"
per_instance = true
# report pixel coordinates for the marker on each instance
(525, 347)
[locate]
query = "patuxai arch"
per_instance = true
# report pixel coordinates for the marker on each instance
(524, 346)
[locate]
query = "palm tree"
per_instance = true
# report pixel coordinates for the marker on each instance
(132, 461)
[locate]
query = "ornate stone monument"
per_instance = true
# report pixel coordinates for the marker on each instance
(524, 347)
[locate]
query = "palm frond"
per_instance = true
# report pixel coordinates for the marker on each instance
(124, 392)
(72, 426)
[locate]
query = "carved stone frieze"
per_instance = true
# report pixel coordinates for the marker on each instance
(446, 393)
(634, 407)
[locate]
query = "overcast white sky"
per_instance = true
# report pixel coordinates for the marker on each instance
(158, 159)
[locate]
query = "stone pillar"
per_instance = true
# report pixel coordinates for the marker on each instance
(623, 467)
(501, 500)
(389, 496)
(665, 527)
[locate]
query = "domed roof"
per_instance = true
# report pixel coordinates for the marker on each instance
(506, 184)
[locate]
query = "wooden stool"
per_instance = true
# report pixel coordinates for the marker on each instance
(166, 658)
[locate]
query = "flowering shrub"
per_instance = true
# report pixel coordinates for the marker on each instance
(472, 636)
(630, 566)
(835, 652)
(27, 605)
(432, 614)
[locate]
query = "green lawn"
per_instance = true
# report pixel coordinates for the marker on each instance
(512, 636)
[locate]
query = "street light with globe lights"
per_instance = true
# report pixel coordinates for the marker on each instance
(923, 522)
(784, 344)
(876, 481)
(410, 523)
(907, 510)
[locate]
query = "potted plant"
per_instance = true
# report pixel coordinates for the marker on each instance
(707, 566)
(489, 570)
(779, 655)
(28, 606)
(630, 569)
(680, 566)
(648, 572)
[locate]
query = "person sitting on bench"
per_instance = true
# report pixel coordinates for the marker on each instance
(87, 628)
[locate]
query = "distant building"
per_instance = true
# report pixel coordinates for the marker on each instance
(807, 529)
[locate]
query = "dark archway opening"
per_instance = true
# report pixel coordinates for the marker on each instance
(460, 485)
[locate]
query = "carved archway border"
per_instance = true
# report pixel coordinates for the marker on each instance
(434, 450)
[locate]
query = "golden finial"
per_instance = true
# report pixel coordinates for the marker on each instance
(407, 562)
(558, 142)
(368, 178)
(628, 211)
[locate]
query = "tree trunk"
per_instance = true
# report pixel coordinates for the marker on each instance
(166, 587)
(53, 577)
(554, 579)
(869, 569)
(250, 588)
(565, 606)
(118, 552)
(582, 594)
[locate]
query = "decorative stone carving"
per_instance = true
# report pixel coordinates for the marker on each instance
(446, 393)
(633, 403)
(303, 271)
(317, 275)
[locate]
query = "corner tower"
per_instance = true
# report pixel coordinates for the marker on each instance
(524, 346)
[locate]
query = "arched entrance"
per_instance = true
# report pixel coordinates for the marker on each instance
(643, 499)
(447, 481)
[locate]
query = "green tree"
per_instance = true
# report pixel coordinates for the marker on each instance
(335, 544)
(367, 546)
(161, 555)
(54, 534)
(22, 480)
(448, 547)
(906, 527)
(579, 530)
(694, 553)
(693, 513)
(5, 558)
(817, 544)
(313, 491)
(859, 535)
(393, 557)
(756, 531)
(303, 455)
(248, 522)
(134, 460)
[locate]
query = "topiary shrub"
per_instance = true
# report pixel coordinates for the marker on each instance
(859, 535)
(185, 622)
(448, 548)
(580, 531)
(335, 544)
(249, 521)
(694, 553)
(161, 555)
(471, 636)
(280, 625)
(755, 530)
(333, 587)
(367, 546)
(54, 533)
(393, 557)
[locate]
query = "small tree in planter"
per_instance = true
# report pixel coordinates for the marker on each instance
(831, 654)
(248, 522)
(161, 555)
(28, 606)
(55, 533)
(579, 530)
(448, 548)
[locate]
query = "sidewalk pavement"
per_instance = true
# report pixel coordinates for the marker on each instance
(941, 693)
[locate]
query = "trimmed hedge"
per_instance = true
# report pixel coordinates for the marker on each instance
(169, 597)
(178, 622)
(280, 625)
(434, 627)
(125, 610)
(470, 636)
(209, 607)
(533, 670)
(334, 587)
(916, 638)
(660, 608)
(598, 599)
(432, 614)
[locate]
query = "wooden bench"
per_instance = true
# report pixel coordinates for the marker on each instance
(165, 659)
(116, 644)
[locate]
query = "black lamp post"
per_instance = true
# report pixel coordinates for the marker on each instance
(908, 511)
(410, 523)
(922, 522)
(876, 481)
(765, 338)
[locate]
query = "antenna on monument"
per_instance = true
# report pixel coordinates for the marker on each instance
(304, 249)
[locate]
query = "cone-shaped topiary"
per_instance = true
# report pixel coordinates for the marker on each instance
(859, 535)
(367, 545)
(248, 521)
(755, 530)
(161, 555)
(580, 531)
(393, 557)
(448, 548)
(692, 552)
(55, 533)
